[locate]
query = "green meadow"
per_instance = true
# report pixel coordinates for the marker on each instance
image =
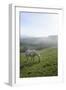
(48, 65)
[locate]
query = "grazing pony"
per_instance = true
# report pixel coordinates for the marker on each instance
(32, 53)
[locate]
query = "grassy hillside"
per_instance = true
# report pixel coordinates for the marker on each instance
(48, 65)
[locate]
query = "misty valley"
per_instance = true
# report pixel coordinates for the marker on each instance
(38, 43)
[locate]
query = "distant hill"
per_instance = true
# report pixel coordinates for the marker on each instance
(39, 42)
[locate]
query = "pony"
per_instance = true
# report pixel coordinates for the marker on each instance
(32, 54)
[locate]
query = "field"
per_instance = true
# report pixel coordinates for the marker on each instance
(48, 65)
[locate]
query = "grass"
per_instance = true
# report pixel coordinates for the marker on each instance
(48, 65)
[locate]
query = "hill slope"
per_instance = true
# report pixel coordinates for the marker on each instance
(48, 65)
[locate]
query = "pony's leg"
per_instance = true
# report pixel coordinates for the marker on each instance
(27, 57)
(38, 58)
(32, 58)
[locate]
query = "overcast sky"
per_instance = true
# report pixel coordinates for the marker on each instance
(38, 24)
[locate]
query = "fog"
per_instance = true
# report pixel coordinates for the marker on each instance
(39, 42)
